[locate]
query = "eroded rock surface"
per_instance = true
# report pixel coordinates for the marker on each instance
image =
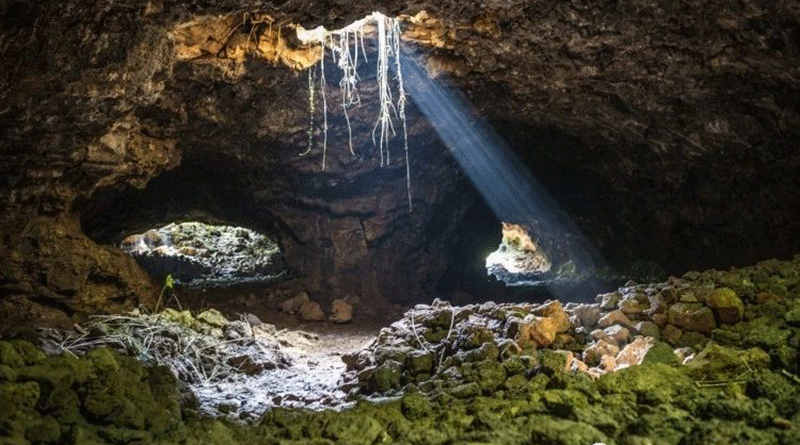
(667, 135)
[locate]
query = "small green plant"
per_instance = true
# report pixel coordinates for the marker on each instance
(169, 285)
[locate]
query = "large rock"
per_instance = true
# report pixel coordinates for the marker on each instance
(726, 305)
(692, 317)
(341, 311)
(311, 311)
(292, 305)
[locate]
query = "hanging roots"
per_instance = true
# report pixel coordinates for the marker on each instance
(344, 47)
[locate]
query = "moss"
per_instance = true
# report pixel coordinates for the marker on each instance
(663, 424)
(759, 413)
(564, 432)
(564, 403)
(415, 406)
(775, 387)
(717, 431)
(652, 383)
(386, 376)
(44, 430)
(715, 363)
(661, 352)
(19, 353)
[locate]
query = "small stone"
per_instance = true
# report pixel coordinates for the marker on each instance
(153, 238)
(293, 304)
(162, 251)
(659, 319)
(661, 352)
(634, 353)
(689, 297)
(212, 317)
(341, 311)
(588, 314)
(669, 295)
(633, 307)
(541, 331)
(607, 363)
(614, 317)
(608, 301)
(648, 329)
(657, 305)
(253, 320)
(555, 311)
(671, 334)
(385, 376)
(594, 353)
(726, 305)
(132, 241)
(578, 365)
(618, 333)
(188, 251)
(692, 317)
(311, 311)
(419, 362)
(599, 334)
(466, 390)
(264, 330)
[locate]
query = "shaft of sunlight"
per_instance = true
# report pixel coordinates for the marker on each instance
(500, 177)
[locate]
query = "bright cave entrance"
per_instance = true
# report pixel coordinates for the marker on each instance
(518, 259)
(197, 254)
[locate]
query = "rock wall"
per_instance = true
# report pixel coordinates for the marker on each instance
(665, 129)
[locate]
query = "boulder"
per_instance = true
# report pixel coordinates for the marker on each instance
(726, 305)
(541, 332)
(341, 311)
(293, 304)
(614, 317)
(692, 317)
(311, 311)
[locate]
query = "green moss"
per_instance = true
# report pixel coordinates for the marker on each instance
(554, 431)
(652, 383)
(717, 363)
(663, 424)
(661, 352)
(415, 406)
(19, 353)
(717, 431)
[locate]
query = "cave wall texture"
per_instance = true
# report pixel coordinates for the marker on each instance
(668, 130)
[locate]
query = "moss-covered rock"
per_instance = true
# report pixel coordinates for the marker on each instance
(385, 377)
(718, 431)
(726, 305)
(661, 352)
(652, 383)
(718, 363)
(564, 432)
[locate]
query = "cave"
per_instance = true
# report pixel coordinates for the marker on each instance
(542, 222)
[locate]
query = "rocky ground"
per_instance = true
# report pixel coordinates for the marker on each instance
(710, 357)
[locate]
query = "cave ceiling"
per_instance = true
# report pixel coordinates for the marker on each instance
(668, 130)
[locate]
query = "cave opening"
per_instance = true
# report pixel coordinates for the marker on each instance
(517, 259)
(198, 255)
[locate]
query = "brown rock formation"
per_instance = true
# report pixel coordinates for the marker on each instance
(667, 130)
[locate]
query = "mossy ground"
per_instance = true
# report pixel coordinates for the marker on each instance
(742, 387)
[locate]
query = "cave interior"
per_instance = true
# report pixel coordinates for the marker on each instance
(231, 155)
